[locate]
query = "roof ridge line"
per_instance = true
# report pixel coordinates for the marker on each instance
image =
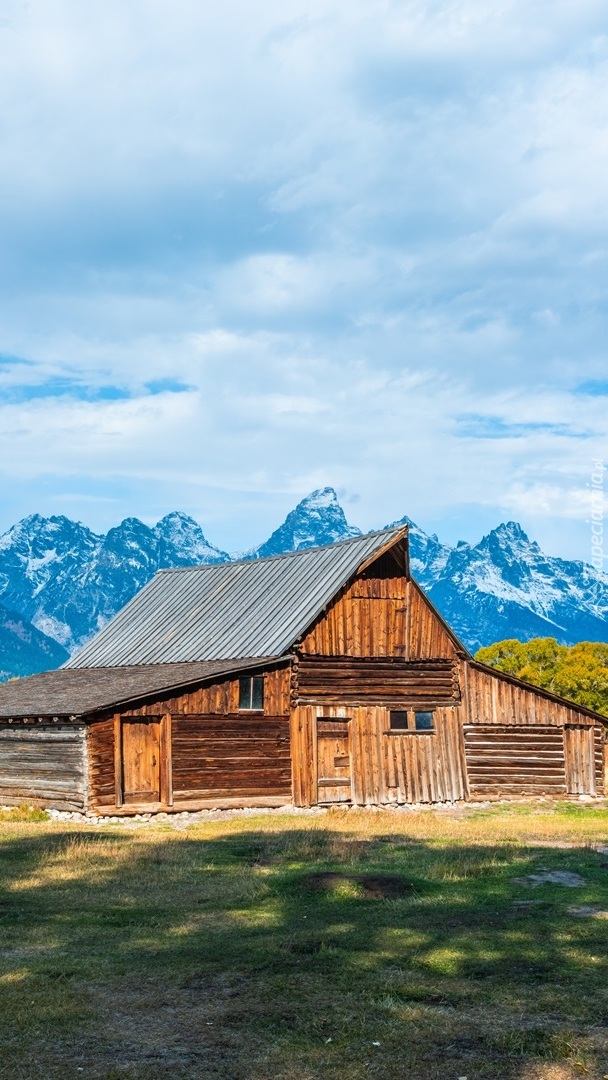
(282, 555)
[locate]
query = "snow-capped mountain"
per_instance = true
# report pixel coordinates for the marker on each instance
(68, 581)
(506, 587)
(60, 582)
(317, 520)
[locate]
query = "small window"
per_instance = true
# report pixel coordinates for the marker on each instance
(251, 692)
(423, 721)
(411, 720)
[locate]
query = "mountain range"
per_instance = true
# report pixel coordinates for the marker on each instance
(60, 582)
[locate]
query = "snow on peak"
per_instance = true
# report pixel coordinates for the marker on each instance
(511, 530)
(182, 542)
(320, 499)
(317, 520)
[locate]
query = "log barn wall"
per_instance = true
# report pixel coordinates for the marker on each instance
(222, 697)
(380, 645)
(231, 756)
(493, 699)
(44, 763)
(520, 741)
(217, 753)
(492, 736)
(102, 779)
(346, 680)
(427, 636)
(507, 760)
(386, 767)
(367, 618)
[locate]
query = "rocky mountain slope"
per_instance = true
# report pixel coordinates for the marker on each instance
(68, 581)
(60, 582)
(24, 650)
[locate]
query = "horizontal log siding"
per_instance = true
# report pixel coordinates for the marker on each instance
(508, 760)
(525, 738)
(44, 764)
(221, 698)
(352, 680)
(386, 768)
(368, 618)
(230, 756)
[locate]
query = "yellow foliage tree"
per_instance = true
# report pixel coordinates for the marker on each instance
(577, 672)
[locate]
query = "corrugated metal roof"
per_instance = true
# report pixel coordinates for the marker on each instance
(86, 690)
(256, 607)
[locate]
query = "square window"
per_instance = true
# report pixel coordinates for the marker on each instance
(251, 692)
(398, 719)
(423, 721)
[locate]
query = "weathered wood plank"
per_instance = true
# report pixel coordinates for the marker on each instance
(43, 763)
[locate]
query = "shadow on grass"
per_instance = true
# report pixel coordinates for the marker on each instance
(268, 954)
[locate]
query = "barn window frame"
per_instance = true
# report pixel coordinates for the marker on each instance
(251, 693)
(409, 721)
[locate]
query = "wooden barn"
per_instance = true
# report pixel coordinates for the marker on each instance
(318, 677)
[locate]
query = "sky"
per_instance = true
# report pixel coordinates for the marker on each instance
(248, 250)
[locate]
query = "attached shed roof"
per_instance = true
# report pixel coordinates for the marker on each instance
(256, 607)
(88, 690)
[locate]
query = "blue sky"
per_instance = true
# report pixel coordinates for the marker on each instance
(252, 249)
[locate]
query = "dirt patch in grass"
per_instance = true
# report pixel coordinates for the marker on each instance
(370, 886)
(192, 1029)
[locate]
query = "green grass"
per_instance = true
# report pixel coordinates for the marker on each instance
(222, 951)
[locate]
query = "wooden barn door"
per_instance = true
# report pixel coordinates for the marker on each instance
(579, 749)
(140, 760)
(333, 760)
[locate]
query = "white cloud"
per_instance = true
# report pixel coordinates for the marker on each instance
(342, 225)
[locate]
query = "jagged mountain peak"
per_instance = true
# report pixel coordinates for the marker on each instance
(320, 499)
(175, 519)
(67, 581)
(183, 543)
(510, 529)
(509, 534)
(318, 519)
(37, 529)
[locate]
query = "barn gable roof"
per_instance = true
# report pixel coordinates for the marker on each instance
(255, 607)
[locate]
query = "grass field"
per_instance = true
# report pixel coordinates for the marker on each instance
(346, 945)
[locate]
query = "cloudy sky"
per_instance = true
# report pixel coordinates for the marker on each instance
(251, 249)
